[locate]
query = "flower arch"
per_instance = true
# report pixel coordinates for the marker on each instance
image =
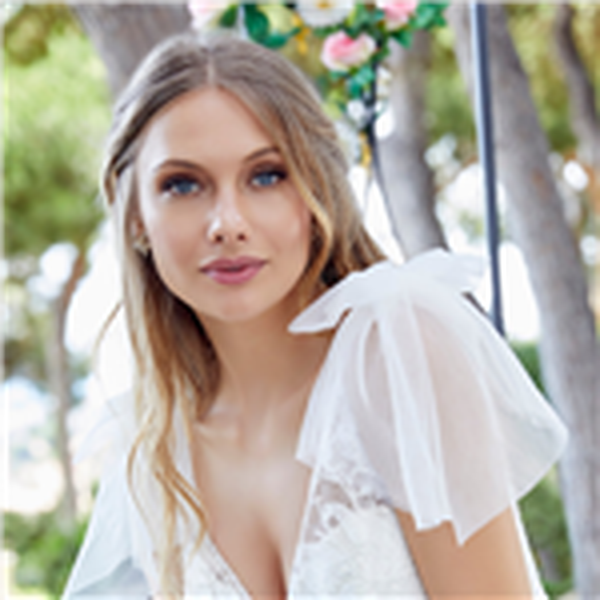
(356, 37)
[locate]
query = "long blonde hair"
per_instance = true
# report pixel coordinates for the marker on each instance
(176, 366)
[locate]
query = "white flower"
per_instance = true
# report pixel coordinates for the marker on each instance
(321, 13)
(357, 111)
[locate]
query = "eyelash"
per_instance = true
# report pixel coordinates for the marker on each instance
(276, 171)
(172, 185)
(169, 185)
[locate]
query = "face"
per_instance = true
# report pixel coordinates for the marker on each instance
(228, 230)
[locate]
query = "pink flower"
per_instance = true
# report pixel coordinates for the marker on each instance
(203, 11)
(397, 12)
(340, 52)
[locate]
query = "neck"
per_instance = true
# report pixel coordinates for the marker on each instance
(262, 364)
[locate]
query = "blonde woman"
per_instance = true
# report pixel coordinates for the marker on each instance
(307, 419)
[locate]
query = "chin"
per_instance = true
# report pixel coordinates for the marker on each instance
(238, 313)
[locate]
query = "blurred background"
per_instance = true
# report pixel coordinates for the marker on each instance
(63, 66)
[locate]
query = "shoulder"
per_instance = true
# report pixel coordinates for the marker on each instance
(442, 407)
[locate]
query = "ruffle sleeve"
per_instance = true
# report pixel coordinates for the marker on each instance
(444, 411)
(111, 560)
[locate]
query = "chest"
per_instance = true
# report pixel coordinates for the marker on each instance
(349, 545)
(254, 506)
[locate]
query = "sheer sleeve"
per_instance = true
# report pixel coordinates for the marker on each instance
(444, 411)
(110, 560)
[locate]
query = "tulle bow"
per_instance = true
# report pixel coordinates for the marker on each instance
(444, 411)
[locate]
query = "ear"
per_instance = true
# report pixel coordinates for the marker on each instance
(137, 227)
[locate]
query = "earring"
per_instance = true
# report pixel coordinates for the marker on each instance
(142, 244)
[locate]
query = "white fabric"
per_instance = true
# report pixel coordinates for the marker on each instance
(419, 405)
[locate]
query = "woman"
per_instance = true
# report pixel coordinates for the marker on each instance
(309, 419)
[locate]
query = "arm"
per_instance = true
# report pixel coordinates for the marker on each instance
(490, 564)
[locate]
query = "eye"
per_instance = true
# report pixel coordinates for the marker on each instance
(268, 177)
(180, 185)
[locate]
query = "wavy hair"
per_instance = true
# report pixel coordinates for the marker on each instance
(176, 367)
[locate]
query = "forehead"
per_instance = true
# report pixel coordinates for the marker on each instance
(208, 123)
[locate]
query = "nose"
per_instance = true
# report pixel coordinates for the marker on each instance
(227, 223)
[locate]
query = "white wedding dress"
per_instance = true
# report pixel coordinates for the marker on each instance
(419, 405)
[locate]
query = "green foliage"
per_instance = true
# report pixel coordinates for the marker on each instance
(24, 340)
(544, 518)
(368, 19)
(527, 353)
(56, 114)
(429, 16)
(259, 27)
(28, 32)
(45, 551)
(358, 82)
(532, 30)
(542, 509)
(229, 16)
(448, 108)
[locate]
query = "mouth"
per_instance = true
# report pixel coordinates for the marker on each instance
(233, 271)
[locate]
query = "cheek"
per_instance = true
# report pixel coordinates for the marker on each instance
(295, 230)
(174, 244)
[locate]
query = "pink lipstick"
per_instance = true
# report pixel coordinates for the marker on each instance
(233, 271)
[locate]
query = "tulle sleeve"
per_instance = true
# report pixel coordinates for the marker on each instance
(444, 411)
(110, 561)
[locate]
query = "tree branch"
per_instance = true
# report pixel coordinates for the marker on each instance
(582, 105)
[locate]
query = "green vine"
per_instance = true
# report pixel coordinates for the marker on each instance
(366, 22)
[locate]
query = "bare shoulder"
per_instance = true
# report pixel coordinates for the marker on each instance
(490, 564)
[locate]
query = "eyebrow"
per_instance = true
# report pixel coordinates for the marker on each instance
(177, 162)
(261, 152)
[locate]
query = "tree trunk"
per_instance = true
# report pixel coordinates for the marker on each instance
(408, 178)
(582, 99)
(60, 385)
(570, 352)
(124, 33)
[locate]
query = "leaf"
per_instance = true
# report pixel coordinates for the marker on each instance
(438, 5)
(365, 75)
(380, 55)
(250, 6)
(403, 36)
(257, 23)
(229, 18)
(439, 21)
(336, 76)
(354, 89)
(336, 96)
(359, 83)
(425, 17)
(277, 40)
(361, 20)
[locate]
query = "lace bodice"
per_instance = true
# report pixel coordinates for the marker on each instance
(350, 543)
(419, 406)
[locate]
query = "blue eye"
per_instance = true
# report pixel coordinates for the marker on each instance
(180, 185)
(268, 177)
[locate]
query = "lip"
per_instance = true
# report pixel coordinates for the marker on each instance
(233, 271)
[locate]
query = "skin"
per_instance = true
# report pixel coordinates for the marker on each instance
(215, 187)
(489, 565)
